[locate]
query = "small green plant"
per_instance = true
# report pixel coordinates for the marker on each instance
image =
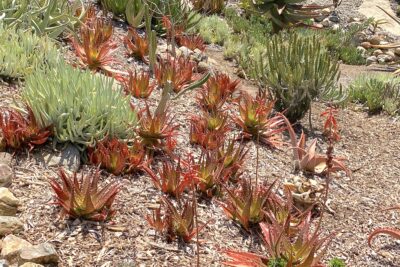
(21, 53)
(213, 29)
(209, 6)
(297, 70)
(335, 262)
(277, 263)
(351, 56)
(83, 111)
(378, 92)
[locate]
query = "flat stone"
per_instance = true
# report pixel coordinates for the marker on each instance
(12, 246)
(8, 202)
(6, 175)
(31, 264)
(10, 225)
(41, 254)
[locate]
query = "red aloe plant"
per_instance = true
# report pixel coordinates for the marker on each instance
(136, 45)
(216, 92)
(246, 204)
(157, 131)
(178, 29)
(233, 159)
(179, 71)
(306, 158)
(331, 128)
(210, 175)
(209, 130)
(82, 199)
(176, 222)
(116, 157)
(18, 130)
(138, 85)
(302, 249)
(95, 48)
(171, 179)
(257, 122)
(192, 41)
(393, 232)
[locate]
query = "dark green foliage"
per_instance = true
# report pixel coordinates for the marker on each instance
(277, 263)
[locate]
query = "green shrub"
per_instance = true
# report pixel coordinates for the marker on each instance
(213, 30)
(296, 70)
(82, 107)
(335, 262)
(377, 92)
(44, 17)
(22, 52)
(232, 46)
(351, 56)
(117, 7)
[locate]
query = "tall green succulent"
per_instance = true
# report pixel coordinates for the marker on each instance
(44, 17)
(284, 13)
(82, 107)
(21, 53)
(296, 70)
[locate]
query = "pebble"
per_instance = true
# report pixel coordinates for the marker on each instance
(375, 40)
(6, 175)
(12, 246)
(8, 202)
(372, 59)
(185, 51)
(377, 52)
(326, 22)
(384, 58)
(366, 45)
(397, 51)
(9, 224)
(334, 19)
(335, 27)
(44, 253)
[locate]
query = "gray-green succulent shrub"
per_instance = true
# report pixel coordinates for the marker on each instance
(213, 29)
(82, 107)
(44, 17)
(22, 52)
(378, 92)
(297, 70)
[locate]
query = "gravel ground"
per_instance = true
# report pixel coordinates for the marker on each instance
(346, 10)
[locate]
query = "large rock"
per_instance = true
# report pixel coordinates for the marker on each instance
(68, 157)
(10, 225)
(12, 246)
(8, 202)
(6, 175)
(41, 254)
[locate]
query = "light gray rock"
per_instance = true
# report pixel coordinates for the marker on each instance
(326, 22)
(5, 158)
(4, 263)
(12, 246)
(372, 59)
(185, 51)
(384, 58)
(44, 253)
(203, 67)
(8, 202)
(377, 52)
(390, 53)
(68, 157)
(335, 27)
(354, 19)
(6, 175)
(10, 225)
